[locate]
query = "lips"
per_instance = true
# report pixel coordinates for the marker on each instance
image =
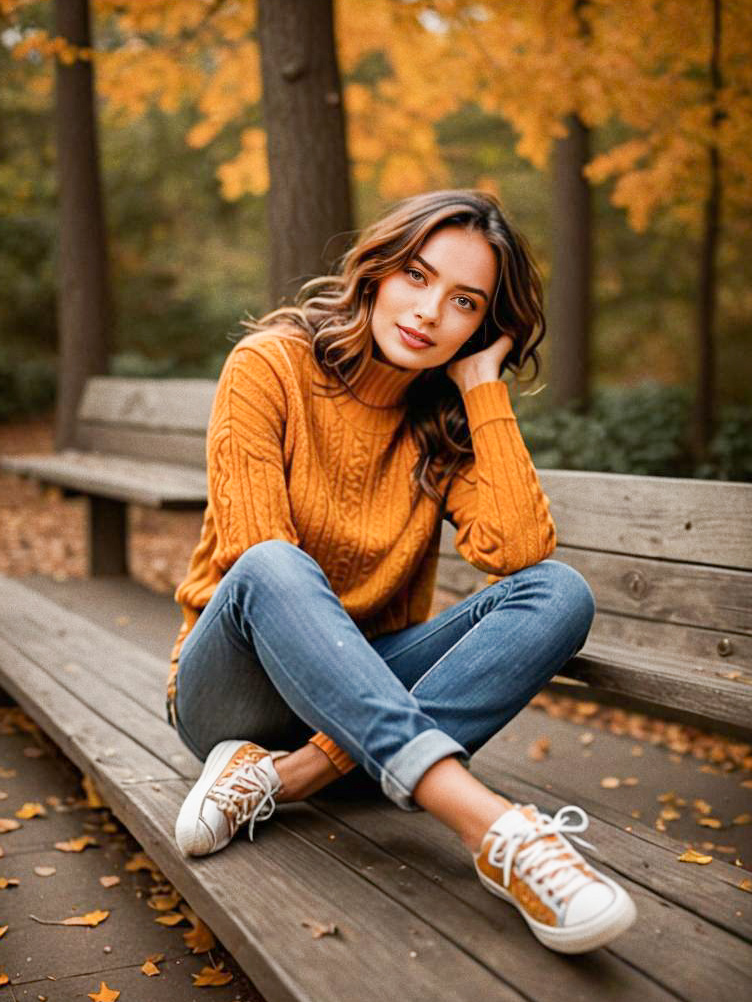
(412, 333)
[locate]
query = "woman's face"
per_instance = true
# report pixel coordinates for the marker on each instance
(441, 294)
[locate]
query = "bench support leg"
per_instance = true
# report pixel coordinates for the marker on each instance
(107, 541)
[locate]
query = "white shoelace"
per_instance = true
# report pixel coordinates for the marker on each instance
(241, 803)
(538, 859)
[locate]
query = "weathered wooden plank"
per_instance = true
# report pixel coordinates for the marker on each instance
(670, 518)
(168, 447)
(90, 740)
(155, 404)
(131, 480)
(721, 961)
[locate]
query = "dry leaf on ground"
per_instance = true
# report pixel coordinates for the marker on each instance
(76, 844)
(93, 796)
(140, 861)
(210, 977)
(3, 930)
(31, 810)
(164, 902)
(4, 979)
(104, 994)
(318, 929)
(200, 938)
(742, 819)
(90, 920)
(8, 882)
(9, 825)
(746, 885)
(7, 773)
(109, 881)
(149, 968)
(690, 856)
(44, 871)
(539, 749)
(171, 918)
(710, 822)
(610, 782)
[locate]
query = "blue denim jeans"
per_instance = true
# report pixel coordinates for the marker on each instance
(275, 657)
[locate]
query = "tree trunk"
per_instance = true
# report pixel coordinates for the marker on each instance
(309, 194)
(570, 308)
(83, 296)
(703, 418)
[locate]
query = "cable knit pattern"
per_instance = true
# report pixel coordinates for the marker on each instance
(287, 460)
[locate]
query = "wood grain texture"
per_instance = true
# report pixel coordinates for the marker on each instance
(148, 404)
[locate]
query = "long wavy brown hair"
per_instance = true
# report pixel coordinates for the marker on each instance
(333, 313)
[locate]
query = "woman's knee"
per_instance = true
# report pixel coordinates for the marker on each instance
(569, 594)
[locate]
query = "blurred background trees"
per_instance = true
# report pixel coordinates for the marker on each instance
(615, 134)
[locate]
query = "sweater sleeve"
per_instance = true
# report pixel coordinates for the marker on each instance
(496, 503)
(245, 457)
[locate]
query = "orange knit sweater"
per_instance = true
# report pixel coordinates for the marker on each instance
(286, 460)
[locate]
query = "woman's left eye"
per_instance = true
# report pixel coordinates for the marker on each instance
(465, 303)
(414, 273)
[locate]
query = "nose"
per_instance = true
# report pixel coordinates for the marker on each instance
(428, 307)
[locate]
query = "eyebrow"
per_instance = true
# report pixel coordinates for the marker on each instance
(465, 288)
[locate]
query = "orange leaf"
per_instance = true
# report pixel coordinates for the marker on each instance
(76, 844)
(710, 822)
(4, 979)
(8, 882)
(90, 919)
(170, 918)
(318, 929)
(109, 881)
(610, 782)
(211, 977)
(149, 969)
(746, 885)
(539, 748)
(93, 798)
(742, 819)
(9, 825)
(164, 902)
(200, 938)
(7, 773)
(31, 810)
(690, 856)
(140, 861)
(104, 994)
(3, 930)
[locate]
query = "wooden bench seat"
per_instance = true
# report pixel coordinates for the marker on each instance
(412, 921)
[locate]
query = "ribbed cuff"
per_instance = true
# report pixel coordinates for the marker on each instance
(339, 758)
(487, 402)
(400, 775)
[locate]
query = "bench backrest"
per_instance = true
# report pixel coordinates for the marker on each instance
(669, 561)
(157, 419)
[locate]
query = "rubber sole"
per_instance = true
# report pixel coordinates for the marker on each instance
(584, 936)
(193, 836)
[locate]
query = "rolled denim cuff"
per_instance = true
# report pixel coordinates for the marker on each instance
(400, 775)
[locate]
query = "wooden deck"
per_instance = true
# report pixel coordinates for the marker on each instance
(412, 921)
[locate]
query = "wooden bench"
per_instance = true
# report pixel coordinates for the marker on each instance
(670, 562)
(137, 441)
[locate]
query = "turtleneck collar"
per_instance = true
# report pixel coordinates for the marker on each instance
(380, 391)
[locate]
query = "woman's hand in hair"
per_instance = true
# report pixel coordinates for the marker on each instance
(482, 366)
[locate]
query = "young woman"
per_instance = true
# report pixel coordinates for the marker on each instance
(343, 431)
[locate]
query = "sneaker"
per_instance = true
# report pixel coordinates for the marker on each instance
(569, 905)
(237, 784)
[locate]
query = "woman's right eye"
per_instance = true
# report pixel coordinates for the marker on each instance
(414, 273)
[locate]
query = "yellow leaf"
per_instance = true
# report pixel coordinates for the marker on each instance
(90, 919)
(690, 856)
(3, 930)
(710, 822)
(9, 825)
(109, 881)
(164, 902)
(104, 994)
(31, 810)
(93, 797)
(200, 938)
(76, 844)
(149, 969)
(170, 918)
(8, 882)
(211, 977)
(140, 861)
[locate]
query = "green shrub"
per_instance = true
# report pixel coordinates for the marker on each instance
(27, 386)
